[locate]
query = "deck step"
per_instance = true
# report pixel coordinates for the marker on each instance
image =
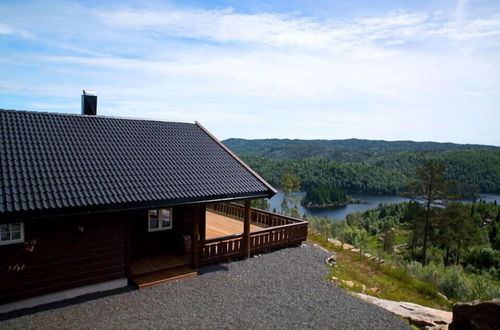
(163, 276)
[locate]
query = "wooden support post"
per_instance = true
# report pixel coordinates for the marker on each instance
(128, 246)
(246, 230)
(203, 224)
(195, 239)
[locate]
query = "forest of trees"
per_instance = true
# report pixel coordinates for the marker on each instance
(430, 235)
(363, 166)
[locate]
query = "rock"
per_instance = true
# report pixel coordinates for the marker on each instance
(335, 242)
(367, 255)
(346, 246)
(363, 287)
(334, 279)
(442, 296)
(417, 315)
(350, 284)
(331, 260)
(476, 315)
(438, 327)
(374, 290)
(355, 250)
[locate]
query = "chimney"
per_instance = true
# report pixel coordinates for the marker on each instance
(89, 103)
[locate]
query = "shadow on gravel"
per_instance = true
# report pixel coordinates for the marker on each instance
(213, 268)
(68, 302)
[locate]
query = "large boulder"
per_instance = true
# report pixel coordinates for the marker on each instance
(346, 246)
(420, 316)
(484, 315)
(335, 242)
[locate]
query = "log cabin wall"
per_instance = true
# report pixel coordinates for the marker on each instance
(69, 252)
(144, 243)
(65, 257)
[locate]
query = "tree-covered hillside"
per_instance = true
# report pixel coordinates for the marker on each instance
(363, 166)
(339, 150)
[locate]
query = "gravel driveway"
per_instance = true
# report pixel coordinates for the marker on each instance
(285, 289)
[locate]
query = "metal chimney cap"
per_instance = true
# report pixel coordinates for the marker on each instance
(87, 92)
(89, 103)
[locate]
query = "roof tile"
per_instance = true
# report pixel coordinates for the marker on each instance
(53, 161)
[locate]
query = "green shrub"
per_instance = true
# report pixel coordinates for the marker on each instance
(435, 255)
(427, 272)
(414, 267)
(455, 284)
(483, 258)
(484, 290)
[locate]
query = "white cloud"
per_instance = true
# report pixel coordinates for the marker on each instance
(8, 30)
(287, 30)
(268, 74)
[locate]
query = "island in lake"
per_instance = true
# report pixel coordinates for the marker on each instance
(320, 196)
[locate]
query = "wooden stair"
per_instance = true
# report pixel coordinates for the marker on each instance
(163, 276)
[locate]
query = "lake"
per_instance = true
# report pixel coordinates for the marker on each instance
(368, 202)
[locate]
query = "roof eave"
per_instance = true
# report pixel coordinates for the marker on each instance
(248, 168)
(106, 208)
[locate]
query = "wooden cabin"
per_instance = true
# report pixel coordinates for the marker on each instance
(88, 203)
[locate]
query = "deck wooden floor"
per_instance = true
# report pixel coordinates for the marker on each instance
(157, 269)
(159, 262)
(163, 276)
(219, 225)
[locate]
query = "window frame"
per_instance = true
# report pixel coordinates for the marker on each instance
(160, 221)
(17, 240)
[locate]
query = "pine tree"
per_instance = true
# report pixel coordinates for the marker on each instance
(430, 191)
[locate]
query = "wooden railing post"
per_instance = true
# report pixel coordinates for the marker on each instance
(195, 240)
(246, 230)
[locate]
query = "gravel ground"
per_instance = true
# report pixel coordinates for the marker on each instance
(285, 289)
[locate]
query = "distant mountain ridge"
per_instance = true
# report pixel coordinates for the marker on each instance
(296, 148)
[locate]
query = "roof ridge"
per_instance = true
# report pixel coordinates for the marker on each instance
(35, 112)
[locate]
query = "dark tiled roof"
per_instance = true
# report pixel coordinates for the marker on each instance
(59, 162)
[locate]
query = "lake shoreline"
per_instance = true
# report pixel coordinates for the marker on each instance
(334, 205)
(340, 212)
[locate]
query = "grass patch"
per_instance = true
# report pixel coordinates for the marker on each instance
(390, 282)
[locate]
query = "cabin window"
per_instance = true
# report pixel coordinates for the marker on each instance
(160, 219)
(11, 233)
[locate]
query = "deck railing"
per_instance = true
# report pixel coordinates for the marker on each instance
(222, 248)
(279, 231)
(258, 217)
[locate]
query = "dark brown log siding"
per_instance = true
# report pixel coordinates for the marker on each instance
(144, 243)
(63, 257)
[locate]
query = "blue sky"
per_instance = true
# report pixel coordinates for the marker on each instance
(393, 70)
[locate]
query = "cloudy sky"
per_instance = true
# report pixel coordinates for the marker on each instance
(394, 70)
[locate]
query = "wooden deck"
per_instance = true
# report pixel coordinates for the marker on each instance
(159, 262)
(163, 276)
(219, 225)
(267, 231)
(223, 241)
(160, 268)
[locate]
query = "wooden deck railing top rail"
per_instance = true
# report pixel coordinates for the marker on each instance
(259, 217)
(223, 238)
